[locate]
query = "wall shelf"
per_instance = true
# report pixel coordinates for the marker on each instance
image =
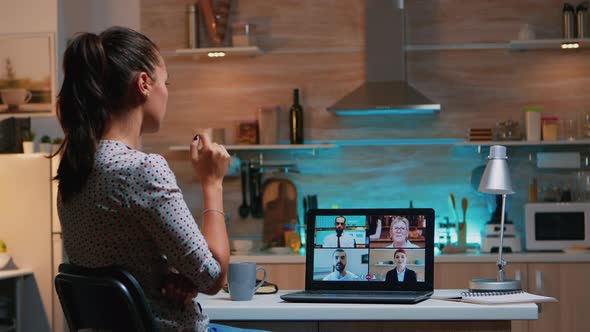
(457, 47)
(331, 144)
(392, 142)
(27, 110)
(513, 45)
(261, 147)
(523, 143)
(547, 44)
(212, 51)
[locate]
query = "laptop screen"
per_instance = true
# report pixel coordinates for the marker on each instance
(376, 249)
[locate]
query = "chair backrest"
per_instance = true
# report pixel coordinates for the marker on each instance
(107, 298)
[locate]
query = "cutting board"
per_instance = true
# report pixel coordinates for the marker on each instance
(279, 204)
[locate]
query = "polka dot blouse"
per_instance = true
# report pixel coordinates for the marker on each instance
(131, 213)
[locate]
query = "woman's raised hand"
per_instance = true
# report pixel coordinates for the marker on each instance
(210, 160)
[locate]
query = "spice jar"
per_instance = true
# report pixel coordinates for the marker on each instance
(507, 130)
(550, 128)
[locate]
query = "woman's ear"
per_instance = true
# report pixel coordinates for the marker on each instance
(143, 84)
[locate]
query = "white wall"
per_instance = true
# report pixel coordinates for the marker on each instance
(72, 16)
(17, 16)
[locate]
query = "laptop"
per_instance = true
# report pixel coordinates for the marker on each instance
(368, 256)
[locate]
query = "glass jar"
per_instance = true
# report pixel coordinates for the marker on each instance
(507, 130)
(242, 34)
(550, 128)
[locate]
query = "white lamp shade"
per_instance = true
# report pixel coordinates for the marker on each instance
(496, 177)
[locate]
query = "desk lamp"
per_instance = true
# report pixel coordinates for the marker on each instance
(496, 180)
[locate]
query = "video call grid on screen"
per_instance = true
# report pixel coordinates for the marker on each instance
(366, 255)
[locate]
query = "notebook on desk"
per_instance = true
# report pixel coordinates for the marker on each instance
(368, 256)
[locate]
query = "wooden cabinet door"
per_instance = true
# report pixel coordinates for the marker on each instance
(286, 276)
(457, 275)
(570, 284)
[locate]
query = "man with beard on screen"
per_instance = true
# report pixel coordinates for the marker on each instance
(339, 239)
(339, 268)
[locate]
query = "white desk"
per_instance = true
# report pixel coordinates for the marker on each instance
(19, 276)
(270, 312)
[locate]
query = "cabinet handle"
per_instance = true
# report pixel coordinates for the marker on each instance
(539, 287)
(539, 282)
(517, 275)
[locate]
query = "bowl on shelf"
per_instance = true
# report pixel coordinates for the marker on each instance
(4, 260)
(280, 250)
(242, 246)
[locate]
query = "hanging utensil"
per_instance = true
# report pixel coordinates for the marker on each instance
(244, 209)
(464, 208)
(462, 236)
(453, 207)
(255, 192)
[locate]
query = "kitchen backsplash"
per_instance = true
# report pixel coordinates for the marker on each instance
(390, 177)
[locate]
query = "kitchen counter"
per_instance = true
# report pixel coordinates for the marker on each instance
(536, 257)
(269, 312)
(272, 307)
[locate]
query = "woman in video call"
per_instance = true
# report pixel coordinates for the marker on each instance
(401, 275)
(398, 231)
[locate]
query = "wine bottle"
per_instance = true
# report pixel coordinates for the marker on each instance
(296, 120)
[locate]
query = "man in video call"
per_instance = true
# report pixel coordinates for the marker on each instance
(339, 268)
(339, 239)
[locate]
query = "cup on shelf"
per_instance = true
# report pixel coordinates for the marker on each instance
(242, 245)
(568, 129)
(15, 97)
(242, 34)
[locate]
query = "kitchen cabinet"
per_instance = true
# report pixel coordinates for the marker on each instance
(30, 234)
(567, 281)
(286, 276)
(457, 276)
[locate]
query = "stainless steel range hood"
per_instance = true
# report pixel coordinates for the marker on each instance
(385, 90)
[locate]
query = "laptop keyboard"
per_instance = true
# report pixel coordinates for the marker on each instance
(361, 293)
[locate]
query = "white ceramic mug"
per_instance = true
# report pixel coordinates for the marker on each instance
(15, 96)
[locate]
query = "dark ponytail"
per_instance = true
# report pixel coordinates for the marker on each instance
(98, 70)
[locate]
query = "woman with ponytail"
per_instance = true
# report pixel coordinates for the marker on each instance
(120, 206)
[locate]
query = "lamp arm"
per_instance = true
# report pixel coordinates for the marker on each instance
(501, 262)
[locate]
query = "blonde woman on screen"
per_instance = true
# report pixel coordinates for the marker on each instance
(398, 231)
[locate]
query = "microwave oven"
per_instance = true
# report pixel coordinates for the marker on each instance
(557, 226)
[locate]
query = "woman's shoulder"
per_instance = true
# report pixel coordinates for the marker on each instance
(118, 156)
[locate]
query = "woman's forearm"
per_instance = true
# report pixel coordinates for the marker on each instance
(214, 230)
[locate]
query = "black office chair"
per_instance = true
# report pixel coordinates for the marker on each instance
(103, 298)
